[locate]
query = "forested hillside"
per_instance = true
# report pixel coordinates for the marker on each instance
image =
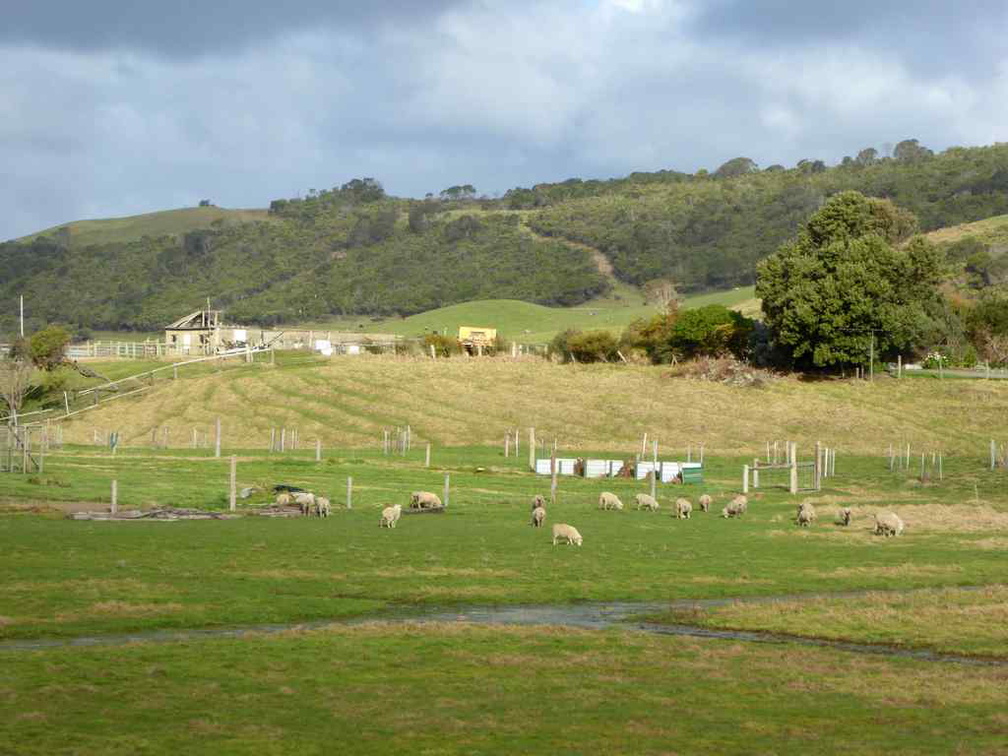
(708, 232)
(354, 250)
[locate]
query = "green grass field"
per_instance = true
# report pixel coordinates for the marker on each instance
(993, 231)
(162, 223)
(385, 684)
(535, 324)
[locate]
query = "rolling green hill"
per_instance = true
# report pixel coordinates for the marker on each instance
(87, 233)
(532, 323)
(354, 252)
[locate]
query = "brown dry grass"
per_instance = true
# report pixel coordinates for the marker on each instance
(346, 402)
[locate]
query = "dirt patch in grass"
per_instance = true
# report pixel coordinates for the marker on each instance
(987, 544)
(960, 518)
(906, 570)
(441, 572)
(124, 608)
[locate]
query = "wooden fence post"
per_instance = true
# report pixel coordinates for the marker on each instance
(283, 439)
(427, 456)
(217, 439)
(66, 402)
(654, 469)
(793, 454)
(447, 488)
(318, 449)
(507, 444)
(349, 492)
(745, 479)
(993, 454)
(115, 496)
(755, 473)
(233, 495)
(532, 449)
(553, 478)
(516, 442)
(272, 446)
(817, 466)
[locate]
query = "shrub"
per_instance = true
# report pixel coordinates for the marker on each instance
(585, 346)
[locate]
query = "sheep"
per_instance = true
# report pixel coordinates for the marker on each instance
(683, 509)
(538, 516)
(844, 515)
(537, 502)
(306, 501)
(705, 502)
(608, 500)
(322, 506)
(741, 504)
(390, 516)
(806, 514)
(284, 500)
(646, 501)
(735, 508)
(566, 532)
(424, 500)
(888, 524)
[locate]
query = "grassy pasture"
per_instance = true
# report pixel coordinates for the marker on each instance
(532, 323)
(161, 223)
(451, 690)
(346, 401)
(383, 686)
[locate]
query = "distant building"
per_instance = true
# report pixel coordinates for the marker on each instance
(203, 332)
(474, 339)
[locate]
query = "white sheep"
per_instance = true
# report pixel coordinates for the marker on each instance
(284, 500)
(844, 515)
(731, 510)
(538, 517)
(705, 502)
(683, 509)
(424, 500)
(741, 504)
(607, 500)
(566, 532)
(806, 514)
(322, 506)
(538, 501)
(648, 502)
(390, 516)
(306, 501)
(888, 524)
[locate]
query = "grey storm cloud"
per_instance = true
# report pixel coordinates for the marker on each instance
(190, 27)
(114, 107)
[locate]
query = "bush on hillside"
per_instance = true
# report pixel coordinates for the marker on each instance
(585, 346)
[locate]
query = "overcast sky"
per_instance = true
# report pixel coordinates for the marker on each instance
(115, 107)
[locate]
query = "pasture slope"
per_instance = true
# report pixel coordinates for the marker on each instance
(334, 657)
(84, 233)
(346, 402)
(529, 323)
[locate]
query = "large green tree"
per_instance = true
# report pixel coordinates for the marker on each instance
(849, 276)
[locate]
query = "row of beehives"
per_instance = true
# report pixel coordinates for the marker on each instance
(668, 472)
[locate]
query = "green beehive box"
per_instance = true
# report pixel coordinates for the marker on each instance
(692, 475)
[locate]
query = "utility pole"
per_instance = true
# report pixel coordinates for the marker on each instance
(22, 316)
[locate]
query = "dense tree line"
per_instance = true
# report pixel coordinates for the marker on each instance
(353, 249)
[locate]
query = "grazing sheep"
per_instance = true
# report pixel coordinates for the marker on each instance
(538, 501)
(844, 516)
(729, 511)
(322, 506)
(806, 514)
(741, 504)
(424, 500)
(888, 524)
(390, 516)
(538, 517)
(284, 500)
(646, 501)
(306, 501)
(608, 500)
(566, 532)
(683, 509)
(705, 502)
